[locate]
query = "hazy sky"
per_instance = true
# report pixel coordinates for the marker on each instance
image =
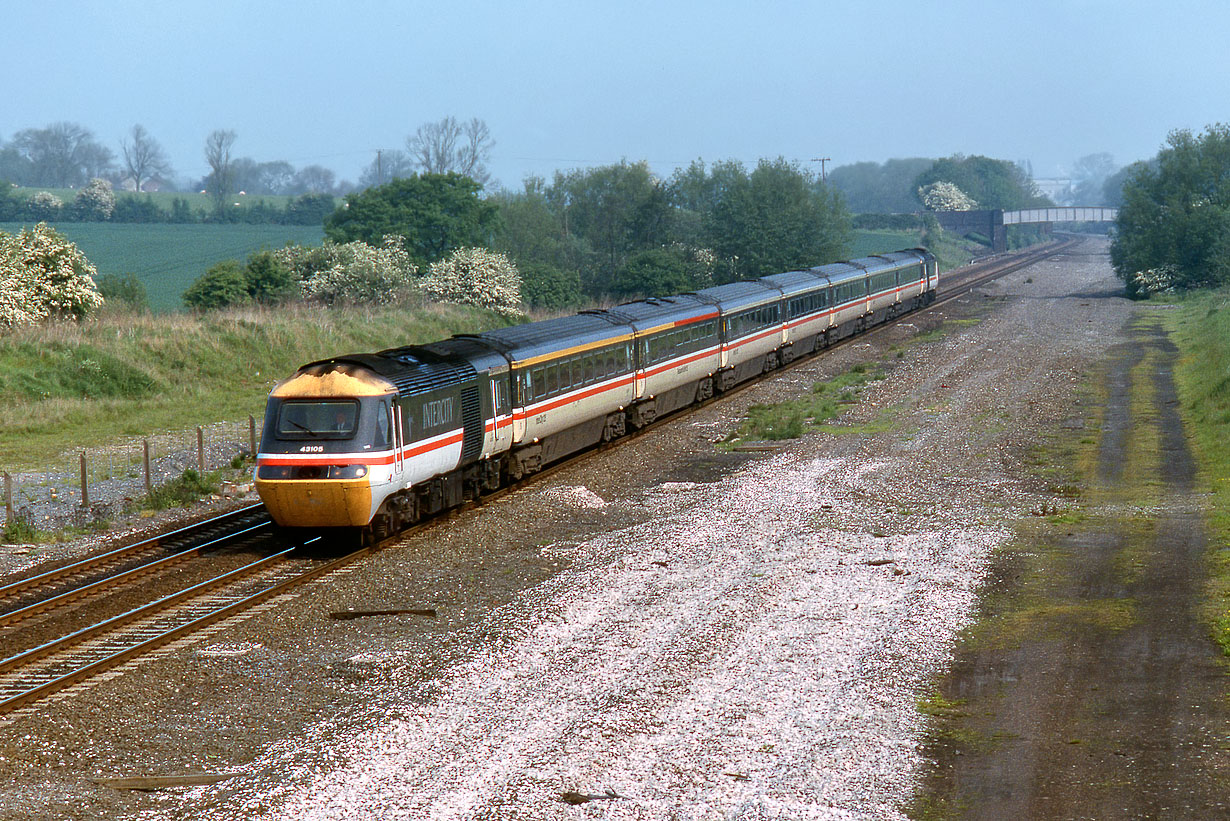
(578, 83)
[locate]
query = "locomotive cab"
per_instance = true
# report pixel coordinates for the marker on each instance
(328, 432)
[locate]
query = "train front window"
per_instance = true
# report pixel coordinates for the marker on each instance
(331, 419)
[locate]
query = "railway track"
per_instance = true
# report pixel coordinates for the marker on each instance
(66, 625)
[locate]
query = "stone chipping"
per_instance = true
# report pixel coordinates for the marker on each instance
(663, 630)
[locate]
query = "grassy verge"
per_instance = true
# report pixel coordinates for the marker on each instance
(69, 386)
(795, 417)
(1201, 328)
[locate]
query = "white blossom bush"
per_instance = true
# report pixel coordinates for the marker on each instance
(96, 201)
(945, 196)
(352, 271)
(44, 276)
(476, 276)
(1159, 280)
(45, 205)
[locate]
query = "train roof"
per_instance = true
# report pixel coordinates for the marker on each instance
(475, 351)
(735, 295)
(534, 339)
(647, 314)
(795, 282)
(412, 369)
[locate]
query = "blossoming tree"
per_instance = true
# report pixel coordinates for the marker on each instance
(44, 276)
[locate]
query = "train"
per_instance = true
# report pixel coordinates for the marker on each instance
(370, 443)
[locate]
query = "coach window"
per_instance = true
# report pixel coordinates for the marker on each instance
(540, 383)
(384, 426)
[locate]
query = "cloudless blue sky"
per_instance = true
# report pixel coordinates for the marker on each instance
(579, 83)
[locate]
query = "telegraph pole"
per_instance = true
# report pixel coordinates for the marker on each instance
(822, 160)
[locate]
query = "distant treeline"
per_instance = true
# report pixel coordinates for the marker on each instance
(28, 206)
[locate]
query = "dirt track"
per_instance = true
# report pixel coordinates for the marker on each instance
(1111, 701)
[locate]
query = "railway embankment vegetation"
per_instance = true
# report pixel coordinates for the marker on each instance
(1173, 229)
(1200, 327)
(795, 417)
(128, 374)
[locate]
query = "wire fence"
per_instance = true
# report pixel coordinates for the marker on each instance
(97, 484)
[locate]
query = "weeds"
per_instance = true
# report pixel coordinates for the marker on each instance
(188, 488)
(793, 418)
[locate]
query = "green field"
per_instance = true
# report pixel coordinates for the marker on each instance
(878, 242)
(168, 258)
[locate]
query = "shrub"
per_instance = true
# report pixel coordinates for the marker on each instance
(125, 290)
(44, 276)
(95, 202)
(352, 271)
(545, 286)
(136, 208)
(223, 285)
(476, 276)
(945, 196)
(268, 279)
(45, 206)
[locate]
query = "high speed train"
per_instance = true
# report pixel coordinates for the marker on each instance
(376, 441)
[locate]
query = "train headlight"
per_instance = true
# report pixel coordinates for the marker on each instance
(347, 471)
(311, 471)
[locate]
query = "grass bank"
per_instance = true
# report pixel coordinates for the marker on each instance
(68, 386)
(1200, 327)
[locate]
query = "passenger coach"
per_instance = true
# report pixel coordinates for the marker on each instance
(375, 441)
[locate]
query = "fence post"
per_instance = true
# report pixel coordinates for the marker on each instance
(149, 483)
(85, 486)
(252, 435)
(200, 449)
(8, 497)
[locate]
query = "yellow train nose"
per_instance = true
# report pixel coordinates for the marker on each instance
(317, 503)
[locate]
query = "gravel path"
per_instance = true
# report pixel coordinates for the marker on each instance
(662, 631)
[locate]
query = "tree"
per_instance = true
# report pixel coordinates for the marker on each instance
(655, 272)
(1175, 215)
(871, 188)
(220, 184)
(309, 209)
(1112, 188)
(617, 209)
(449, 146)
(944, 196)
(144, 159)
(433, 213)
(990, 183)
(475, 276)
(62, 155)
(775, 219)
(387, 166)
(1089, 175)
(44, 276)
(313, 179)
(95, 202)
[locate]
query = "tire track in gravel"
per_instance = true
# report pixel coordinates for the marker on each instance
(1110, 699)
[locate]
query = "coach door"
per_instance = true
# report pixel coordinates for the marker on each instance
(501, 417)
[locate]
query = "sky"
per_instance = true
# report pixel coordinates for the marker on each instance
(575, 84)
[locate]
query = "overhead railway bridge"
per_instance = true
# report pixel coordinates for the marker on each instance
(993, 224)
